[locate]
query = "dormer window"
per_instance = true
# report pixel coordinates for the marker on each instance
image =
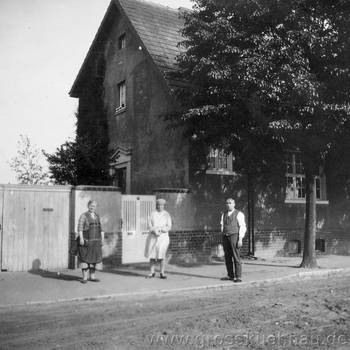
(122, 42)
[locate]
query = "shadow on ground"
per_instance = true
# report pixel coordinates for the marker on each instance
(142, 270)
(272, 265)
(36, 270)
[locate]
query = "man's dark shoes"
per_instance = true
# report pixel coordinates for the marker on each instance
(163, 277)
(237, 280)
(226, 278)
(83, 281)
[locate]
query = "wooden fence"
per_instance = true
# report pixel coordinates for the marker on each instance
(35, 222)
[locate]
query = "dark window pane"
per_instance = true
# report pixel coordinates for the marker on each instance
(318, 188)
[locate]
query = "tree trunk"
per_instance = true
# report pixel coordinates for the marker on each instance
(309, 253)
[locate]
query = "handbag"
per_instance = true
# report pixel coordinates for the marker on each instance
(74, 246)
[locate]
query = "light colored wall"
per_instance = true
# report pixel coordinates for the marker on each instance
(108, 206)
(179, 204)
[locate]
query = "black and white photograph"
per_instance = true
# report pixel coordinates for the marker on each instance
(174, 174)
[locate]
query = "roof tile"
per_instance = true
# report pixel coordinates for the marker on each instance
(158, 27)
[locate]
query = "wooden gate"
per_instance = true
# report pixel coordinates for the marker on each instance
(34, 227)
(135, 213)
(1, 225)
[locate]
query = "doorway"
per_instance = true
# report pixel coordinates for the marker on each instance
(120, 179)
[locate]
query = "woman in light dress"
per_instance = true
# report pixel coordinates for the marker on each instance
(157, 242)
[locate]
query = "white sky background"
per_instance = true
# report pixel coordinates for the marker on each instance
(43, 44)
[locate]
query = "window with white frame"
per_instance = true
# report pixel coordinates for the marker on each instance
(296, 188)
(219, 162)
(121, 103)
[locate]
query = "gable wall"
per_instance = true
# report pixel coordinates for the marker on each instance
(159, 157)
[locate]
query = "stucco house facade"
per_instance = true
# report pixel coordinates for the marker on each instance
(131, 56)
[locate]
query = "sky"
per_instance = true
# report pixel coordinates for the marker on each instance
(43, 45)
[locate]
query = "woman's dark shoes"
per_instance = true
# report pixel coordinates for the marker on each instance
(163, 277)
(83, 281)
(94, 280)
(151, 275)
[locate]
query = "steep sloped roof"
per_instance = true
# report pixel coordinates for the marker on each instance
(157, 26)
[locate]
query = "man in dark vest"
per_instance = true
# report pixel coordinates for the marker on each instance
(233, 228)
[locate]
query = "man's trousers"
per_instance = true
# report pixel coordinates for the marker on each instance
(232, 256)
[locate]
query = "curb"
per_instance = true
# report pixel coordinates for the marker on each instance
(326, 273)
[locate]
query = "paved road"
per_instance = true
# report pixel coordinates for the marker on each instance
(300, 314)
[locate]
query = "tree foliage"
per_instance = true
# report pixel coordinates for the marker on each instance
(268, 75)
(93, 154)
(28, 163)
(80, 162)
(63, 163)
(85, 161)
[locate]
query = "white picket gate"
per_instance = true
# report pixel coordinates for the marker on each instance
(135, 214)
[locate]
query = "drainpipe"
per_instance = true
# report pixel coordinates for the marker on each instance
(251, 220)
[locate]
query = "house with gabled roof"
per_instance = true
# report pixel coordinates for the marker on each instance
(135, 48)
(131, 57)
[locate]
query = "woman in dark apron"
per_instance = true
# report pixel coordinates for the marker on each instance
(90, 242)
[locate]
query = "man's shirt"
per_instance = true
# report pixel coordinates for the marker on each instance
(241, 223)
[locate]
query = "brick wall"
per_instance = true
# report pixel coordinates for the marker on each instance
(197, 247)
(190, 247)
(277, 242)
(193, 247)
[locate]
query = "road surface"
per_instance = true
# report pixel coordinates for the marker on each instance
(305, 314)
